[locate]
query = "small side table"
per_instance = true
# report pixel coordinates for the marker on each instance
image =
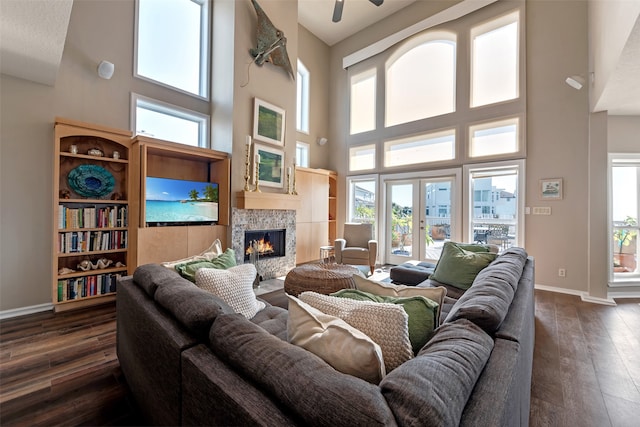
(326, 254)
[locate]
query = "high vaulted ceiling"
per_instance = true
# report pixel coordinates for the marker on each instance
(33, 33)
(315, 16)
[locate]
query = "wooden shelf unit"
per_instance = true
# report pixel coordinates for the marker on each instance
(157, 158)
(88, 229)
(314, 227)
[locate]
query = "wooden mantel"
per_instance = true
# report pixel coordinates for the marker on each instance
(253, 200)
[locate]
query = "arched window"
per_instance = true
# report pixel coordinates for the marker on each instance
(421, 79)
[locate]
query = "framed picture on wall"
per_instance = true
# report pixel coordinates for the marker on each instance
(551, 189)
(268, 122)
(271, 160)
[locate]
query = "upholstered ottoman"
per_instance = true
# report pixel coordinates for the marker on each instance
(321, 278)
(411, 272)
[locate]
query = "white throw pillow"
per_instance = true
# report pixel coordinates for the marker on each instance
(233, 286)
(386, 324)
(212, 252)
(342, 346)
(436, 294)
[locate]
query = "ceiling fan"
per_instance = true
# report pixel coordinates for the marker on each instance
(337, 10)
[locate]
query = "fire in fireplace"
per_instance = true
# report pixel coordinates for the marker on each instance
(267, 243)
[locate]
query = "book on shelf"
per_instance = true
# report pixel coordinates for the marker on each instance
(92, 217)
(87, 286)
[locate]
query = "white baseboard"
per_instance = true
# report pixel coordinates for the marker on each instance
(15, 312)
(584, 296)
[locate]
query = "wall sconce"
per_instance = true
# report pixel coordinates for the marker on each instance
(575, 82)
(106, 69)
(322, 141)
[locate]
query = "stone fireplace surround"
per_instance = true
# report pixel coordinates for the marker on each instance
(262, 219)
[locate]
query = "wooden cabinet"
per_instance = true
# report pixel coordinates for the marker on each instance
(91, 213)
(156, 158)
(333, 207)
(313, 223)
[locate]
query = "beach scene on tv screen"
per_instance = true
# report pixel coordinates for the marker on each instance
(172, 200)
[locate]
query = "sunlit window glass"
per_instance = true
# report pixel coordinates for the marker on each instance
(302, 118)
(362, 158)
(172, 43)
(494, 75)
(421, 82)
(363, 102)
(494, 138)
(432, 147)
(170, 123)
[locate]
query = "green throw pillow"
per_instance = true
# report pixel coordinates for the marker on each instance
(459, 267)
(472, 247)
(422, 313)
(223, 262)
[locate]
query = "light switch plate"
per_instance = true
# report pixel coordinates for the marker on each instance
(542, 210)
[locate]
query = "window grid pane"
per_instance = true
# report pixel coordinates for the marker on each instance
(420, 149)
(363, 102)
(421, 83)
(495, 62)
(171, 43)
(494, 138)
(494, 210)
(363, 201)
(170, 123)
(302, 119)
(362, 158)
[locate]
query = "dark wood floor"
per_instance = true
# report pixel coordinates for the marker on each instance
(62, 369)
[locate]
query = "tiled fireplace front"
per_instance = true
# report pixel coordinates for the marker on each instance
(243, 220)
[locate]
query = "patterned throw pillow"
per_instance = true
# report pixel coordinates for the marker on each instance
(386, 324)
(342, 346)
(234, 286)
(422, 313)
(436, 293)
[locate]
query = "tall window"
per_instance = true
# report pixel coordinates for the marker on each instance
(302, 117)
(624, 214)
(494, 61)
(362, 199)
(172, 43)
(446, 99)
(169, 122)
(495, 200)
(302, 154)
(421, 82)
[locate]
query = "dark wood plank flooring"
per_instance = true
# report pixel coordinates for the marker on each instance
(62, 369)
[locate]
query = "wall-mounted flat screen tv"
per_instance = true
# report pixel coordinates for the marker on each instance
(174, 202)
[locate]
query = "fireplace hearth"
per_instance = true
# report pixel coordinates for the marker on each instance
(266, 243)
(261, 220)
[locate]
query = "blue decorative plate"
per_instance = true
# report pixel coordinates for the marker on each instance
(91, 181)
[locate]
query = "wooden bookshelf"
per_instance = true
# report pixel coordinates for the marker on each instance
(91, 189)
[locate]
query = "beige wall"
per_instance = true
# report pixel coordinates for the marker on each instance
(558, 138)
(314, 54)
(557, 118)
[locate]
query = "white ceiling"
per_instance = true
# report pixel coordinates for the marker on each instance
(315, 16)
(33, 32)
(32, 35)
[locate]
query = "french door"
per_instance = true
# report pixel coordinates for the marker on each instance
(420, 216)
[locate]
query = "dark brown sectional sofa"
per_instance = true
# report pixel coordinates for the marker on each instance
(189, 360)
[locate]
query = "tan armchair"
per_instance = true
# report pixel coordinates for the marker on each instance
(357, 247)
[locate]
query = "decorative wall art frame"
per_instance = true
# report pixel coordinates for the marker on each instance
(551, 189)
(268, 122)
(271, 173)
